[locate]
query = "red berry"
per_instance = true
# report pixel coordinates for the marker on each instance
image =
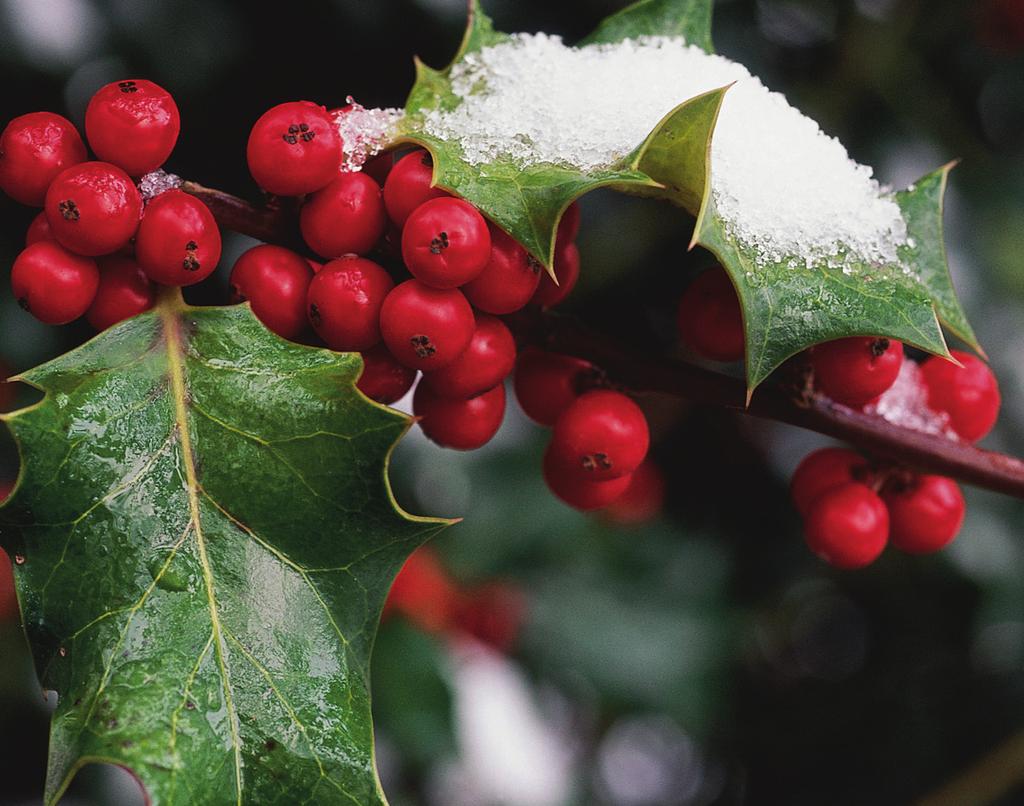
(485, 363)
(346, 217)
(642, 500)
(709, 319)
(383, 378)
(423, 593)
(294, 148)
(581, 493)
(54, 285)
(968, 394)
(847, 526)
(34, 149)
(275, 281)
(445, 243)
(602, 435)
(461, 424)
(823, 470)
(508, 281)
(492, 613)
(547, 383)
(179, 241)
(133, 124)
(124, 291)
(855, 371)
(93, 208)
(344, 303)
(569, 225)
(925, 514)
(567, 270)
(424, 327)
(38, 230)
(408, 185)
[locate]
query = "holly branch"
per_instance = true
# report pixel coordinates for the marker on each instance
(644, 373)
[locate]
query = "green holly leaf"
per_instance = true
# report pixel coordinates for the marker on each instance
(204, 537)
(786, 309)
(922, 205)
(690, 19)
(527, 202)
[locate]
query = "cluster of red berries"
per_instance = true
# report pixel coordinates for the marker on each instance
(427, 595)
(96, 249)
(464, 273)
(599, 436)
(853, 509)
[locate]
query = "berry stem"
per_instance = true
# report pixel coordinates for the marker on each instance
(640, 372)
(270, 223)
(169, 299)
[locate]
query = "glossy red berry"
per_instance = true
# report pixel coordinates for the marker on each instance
(508, 281)
(847, 526)
(179, 241)
(54, 285)
(344, 303)
(426, 328)
(423, 593)
(34, 149)
(823, 470)
(569, 225)
(38, 230)
(461, 424)
(275, 281)
(134, 124)
(384, 379)
(567, 270)
(857, 370)
(602, 435)
(581, 493)
(93, 208)
(925, 513)
(969, 394)
(493, 614)
(346, 217)
(709, 319)
(124, 291)
(446, 243)
(408, 185)
(547, 383)
(642, 500)
(485, 363)
(294, 148)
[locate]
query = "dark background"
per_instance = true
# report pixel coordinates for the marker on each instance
(705, 657)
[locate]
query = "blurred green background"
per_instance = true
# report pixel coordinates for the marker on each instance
(705, 657)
